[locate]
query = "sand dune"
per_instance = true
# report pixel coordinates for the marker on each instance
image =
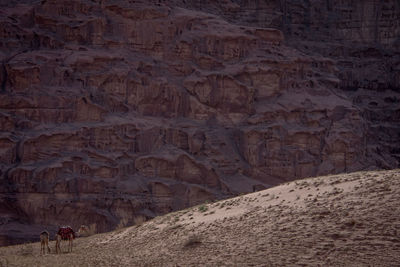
(340, 220)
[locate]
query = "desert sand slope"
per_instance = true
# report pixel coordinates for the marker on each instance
(341, 220)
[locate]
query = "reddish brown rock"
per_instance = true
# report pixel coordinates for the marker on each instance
(115, 110)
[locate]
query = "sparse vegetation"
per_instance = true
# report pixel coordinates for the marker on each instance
(322, 222)
(203, 208)
(192, 240)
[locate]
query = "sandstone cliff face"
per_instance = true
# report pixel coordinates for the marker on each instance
(112, 111)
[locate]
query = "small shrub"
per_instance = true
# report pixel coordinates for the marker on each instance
(192, 241)
(203, 208)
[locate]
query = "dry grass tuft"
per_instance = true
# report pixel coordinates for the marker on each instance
(203, 208)
(192, 241)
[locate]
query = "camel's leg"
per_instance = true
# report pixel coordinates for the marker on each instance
(47, 245)
(58, 246)
(58, 241)
(70, 243)
(42, 245)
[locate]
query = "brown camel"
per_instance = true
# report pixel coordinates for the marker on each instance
(64, 233)
(44, 242)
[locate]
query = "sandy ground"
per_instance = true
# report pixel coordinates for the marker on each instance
(341, 220)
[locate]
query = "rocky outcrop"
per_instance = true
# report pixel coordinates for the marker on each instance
(116, 110)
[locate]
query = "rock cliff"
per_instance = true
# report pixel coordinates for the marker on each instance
(112, 111)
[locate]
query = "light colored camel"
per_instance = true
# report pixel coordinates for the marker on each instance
(44, 242)
(64, 233)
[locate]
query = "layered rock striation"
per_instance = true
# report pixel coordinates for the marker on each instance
(112, 111)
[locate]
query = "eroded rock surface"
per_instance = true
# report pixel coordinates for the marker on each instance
(112, 111)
